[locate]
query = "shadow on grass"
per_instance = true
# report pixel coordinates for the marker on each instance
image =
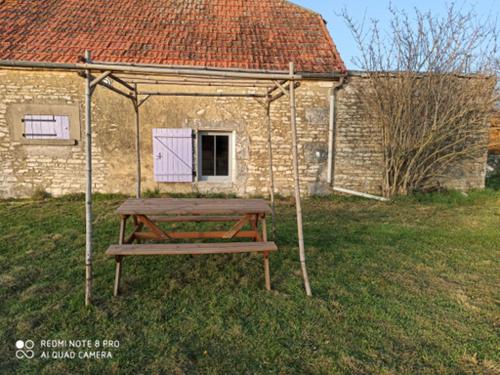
(493, 182)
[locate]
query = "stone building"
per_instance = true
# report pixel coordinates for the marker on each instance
(42, 111)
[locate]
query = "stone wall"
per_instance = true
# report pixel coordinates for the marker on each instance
(60, 169)
(25, 168)
(359, 154)
(494, 146)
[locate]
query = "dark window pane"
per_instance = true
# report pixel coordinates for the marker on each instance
(222, 155)
(207, 155)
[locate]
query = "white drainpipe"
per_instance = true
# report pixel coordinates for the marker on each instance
(359, 194)
(331, 128)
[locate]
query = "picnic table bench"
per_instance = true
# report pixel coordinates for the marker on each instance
(147, 214)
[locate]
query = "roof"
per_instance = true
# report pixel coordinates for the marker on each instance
(234, 34)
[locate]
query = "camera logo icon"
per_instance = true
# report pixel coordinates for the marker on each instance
(24, 349)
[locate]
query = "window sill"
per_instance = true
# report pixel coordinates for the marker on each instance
(216, 182)
(48, 142)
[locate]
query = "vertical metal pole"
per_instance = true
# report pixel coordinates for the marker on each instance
(88, 191)
(271, 172)
(298, 203)
(137, 144)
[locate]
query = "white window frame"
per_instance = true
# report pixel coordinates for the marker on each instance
(231, 141)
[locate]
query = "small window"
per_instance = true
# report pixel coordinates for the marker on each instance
(215, 156)
(46, 127)
(47, 124)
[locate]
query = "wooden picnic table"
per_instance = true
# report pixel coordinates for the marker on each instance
(147, 214)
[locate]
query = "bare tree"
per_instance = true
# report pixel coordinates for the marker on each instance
(430, 91)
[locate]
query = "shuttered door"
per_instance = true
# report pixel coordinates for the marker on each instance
(173, 155)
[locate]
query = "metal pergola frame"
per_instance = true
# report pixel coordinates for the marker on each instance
(128, 80)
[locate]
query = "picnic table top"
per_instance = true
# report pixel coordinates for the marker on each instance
(193, 206)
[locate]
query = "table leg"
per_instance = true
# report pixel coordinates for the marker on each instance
(266, 254)
(123, 224)
(118, 274)
(255, 227)
(138, 227)
(121, 241)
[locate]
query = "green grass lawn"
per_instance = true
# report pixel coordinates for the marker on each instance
(399, 288)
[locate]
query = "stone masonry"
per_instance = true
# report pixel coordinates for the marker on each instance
(60, 169)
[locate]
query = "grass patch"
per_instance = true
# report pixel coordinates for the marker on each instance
(40, 194)
(404, 287)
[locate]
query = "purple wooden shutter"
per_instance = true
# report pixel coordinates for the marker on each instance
(61, 127)
(46, 127)
(173, 155)
(28, 127)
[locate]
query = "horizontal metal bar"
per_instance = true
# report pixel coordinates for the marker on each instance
(193, 83)
(215, 94)
(194, 79)
(138, 68)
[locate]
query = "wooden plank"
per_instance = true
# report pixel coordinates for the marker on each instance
(208, 206)
(191, 249)
(154, 229)
(173, 206)
(237, 227)
(193, 219)
(194, 235)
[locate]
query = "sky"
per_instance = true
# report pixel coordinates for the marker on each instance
(378, 9)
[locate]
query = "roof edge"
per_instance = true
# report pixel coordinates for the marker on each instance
(298, 6)
(334, 46)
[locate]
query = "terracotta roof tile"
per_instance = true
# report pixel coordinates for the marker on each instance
(260, 34)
